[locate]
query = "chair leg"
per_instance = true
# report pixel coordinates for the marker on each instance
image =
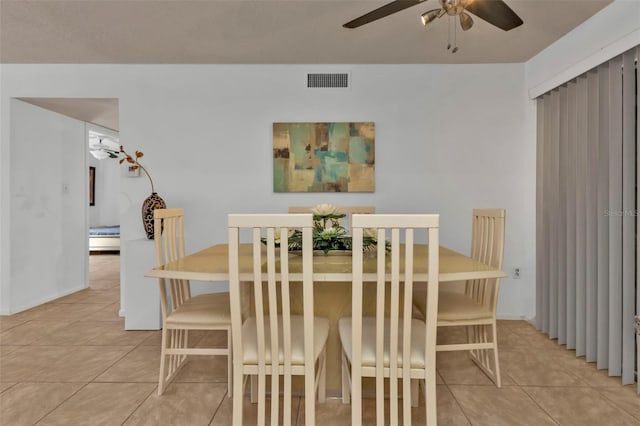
(254, 388)
(229, 365)
(238, 396)
(322, 385)
(415, 390)
(430, 403)
(346, 385)
(496, 361)
(163, 356)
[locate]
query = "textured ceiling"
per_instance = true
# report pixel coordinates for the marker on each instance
(267, 32)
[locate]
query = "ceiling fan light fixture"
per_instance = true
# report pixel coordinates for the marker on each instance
(430, 16)
(466, 22)
(99, 154)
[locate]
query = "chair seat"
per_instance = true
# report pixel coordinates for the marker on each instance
(203, 311)
(456, 306)
(249, 341)
(369, 341)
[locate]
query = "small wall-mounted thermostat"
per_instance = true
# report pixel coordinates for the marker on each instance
(133, 171)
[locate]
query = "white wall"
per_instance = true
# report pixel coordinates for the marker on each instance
(448, 138)
(48, 183)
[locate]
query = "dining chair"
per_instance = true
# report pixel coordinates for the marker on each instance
(182, 312)
(269, 339)
(475, 308)
(348, 211)
(394, 346)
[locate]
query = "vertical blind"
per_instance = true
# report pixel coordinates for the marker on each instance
(587, 253)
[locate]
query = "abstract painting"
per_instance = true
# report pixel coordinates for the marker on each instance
(323, 157)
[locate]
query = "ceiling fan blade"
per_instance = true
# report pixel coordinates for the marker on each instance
(495, 12)
(466, 22)
(381, 12)
(431, 15)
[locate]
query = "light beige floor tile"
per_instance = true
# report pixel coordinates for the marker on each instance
(26, 403)
(76, 297)
(6, 350)
(535, 368)
(59, 363)
(9, 322)
(69, 311)
(456, 367)
(579, 406)
(334, 412)
(110, 312)
(577, 366)
(30, 332)
(625, 398)
(140, 365)
(449, 411)
(114, 334)
(203, 369)
(103, 283)
(224, 414)
(155, 339)
(3, 387)
(78, 333)
(181, 404)
(102, 296)
(100, 404)
(213, 339)
(507, 406)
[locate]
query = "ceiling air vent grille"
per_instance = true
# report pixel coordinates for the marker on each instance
(328, 80)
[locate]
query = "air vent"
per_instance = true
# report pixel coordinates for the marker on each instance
(328, 80)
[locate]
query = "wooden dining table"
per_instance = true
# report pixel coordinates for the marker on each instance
(332, 282)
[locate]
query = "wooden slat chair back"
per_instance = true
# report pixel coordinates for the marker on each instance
(476, 308)
(271, 340)
(181, 311)
(348, 211)
(394, 346)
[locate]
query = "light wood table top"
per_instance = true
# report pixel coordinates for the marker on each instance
(212, 264)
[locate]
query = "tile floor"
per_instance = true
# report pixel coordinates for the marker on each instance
(69, 362)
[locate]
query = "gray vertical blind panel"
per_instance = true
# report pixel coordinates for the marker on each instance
(570, 216)
(602, 219)
(587, 214)
(540, 249)
(553, 158)
(614, 280)
(545, 214)
(561, 219)
(629, 204)
(592, 216)
(581, 217)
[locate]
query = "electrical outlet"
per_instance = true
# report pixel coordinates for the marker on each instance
(516, 273)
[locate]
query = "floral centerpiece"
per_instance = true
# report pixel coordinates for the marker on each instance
(328, 232)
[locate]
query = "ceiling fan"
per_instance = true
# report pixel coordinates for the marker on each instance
(104, 148)
(495, 12)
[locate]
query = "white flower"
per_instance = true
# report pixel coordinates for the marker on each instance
(278, 232)
(329, 233)
(324, 210)
(371, 233)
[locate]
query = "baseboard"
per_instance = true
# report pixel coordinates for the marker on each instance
(43, 301)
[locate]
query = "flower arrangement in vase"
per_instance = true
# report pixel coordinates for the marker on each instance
(328, 233)
(153, 201)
